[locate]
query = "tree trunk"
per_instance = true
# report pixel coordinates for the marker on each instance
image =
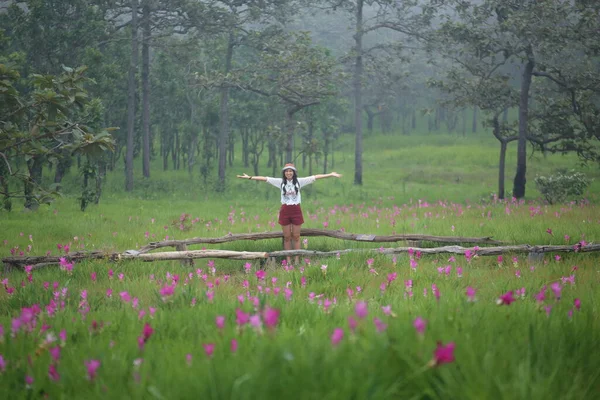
(370, 118)
(231, 152)
(289, 143)
(131, 89)
(474, 126)
(501, 169)
(358, 72)
(224, 118)
(245, 134)
(146, 89)
(64, 162)
(100, 175)
(35, 166)
(520, 180)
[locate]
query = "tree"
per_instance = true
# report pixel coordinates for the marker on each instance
(500, 35)
(406, 17)
(36, 122)
(299, 74)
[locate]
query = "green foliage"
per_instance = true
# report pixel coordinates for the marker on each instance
(41, 122)
(562, 185)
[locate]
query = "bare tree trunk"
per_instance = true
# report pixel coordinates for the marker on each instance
(520, 180)
(501, 169)
(358, 72)
(146, 89)
(474, 126)
(131, 83)
(289, 144)
(34, 166)
(224, 117)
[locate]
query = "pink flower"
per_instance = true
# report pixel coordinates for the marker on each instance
(2, 364)
(541, 296)
(577, 304)
(28, 381)
(556, 288)
(436, 291)
(209, 349)
(220, 321)
(147, 331)
(92, 367)
(379, 325)
(352, 323)
(506, 299)
(188, 359)
(337, 336)
(471, 293)
(260, 274)
(241, 318)
(167, 291)
(420, 324)
(271, 317)
(549, 232)
(443, 354)
(234, 345)
(63, 336)
(54, 353)
(53, 373)
(387, 310)
(361, 309)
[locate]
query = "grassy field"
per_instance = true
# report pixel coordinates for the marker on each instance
(362, 325)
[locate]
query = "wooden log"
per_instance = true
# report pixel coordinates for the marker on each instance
(186, 262)
(306, 232)
(243, 255)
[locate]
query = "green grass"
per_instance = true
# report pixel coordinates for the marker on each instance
(517, 351)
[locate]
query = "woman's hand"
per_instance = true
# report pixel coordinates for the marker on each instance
(335, 174)
(245, 176)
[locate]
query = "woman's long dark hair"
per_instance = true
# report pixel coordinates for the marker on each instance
(294, 181)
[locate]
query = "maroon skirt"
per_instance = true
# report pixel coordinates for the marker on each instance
(290, 214)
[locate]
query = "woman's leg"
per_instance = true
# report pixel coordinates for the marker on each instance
(296, 240)
(287, 240)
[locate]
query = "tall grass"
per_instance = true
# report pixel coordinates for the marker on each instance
(531, 349)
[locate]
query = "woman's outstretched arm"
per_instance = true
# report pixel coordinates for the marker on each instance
(329, 175)
(253, 178)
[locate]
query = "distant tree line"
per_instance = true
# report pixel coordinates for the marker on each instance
(178, 83)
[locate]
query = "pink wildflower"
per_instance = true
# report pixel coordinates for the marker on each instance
(337, 336)
(506, 299)
(92, 368)
(443, 354)
(361, 309)
(420, 324)
(209, 349)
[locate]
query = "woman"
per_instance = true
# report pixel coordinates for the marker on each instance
(290, 214)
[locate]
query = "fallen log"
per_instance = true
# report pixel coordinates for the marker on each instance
(306, 232)
(40, 261)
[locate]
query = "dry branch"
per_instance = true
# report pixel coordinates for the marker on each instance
(244, 255)
(320, 232)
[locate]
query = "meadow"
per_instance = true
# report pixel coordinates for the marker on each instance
(359, 326)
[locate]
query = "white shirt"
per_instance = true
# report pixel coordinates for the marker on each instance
(288, 195)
